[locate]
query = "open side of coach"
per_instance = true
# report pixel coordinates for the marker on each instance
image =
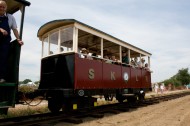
(65, 74)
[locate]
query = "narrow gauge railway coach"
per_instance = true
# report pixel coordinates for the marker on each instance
(79, 61)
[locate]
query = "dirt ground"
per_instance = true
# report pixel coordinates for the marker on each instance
(170, 113)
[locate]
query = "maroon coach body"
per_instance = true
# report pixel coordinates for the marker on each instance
(80, 63)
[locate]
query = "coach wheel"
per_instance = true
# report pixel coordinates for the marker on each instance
(141, 95)
(132, 99)
(54, 105)
(120, 98)
(66, 107)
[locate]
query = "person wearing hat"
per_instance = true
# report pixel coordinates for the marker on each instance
(141, 63)
(125, 58)
(84, 54)
(84, 50)
(7, 22)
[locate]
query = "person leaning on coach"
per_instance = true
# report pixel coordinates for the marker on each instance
(7, 22)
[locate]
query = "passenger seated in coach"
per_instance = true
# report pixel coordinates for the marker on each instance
(135, 62)
(146, 67)
(107, 60)
(114, 60)
(125, 58)
(85, 54)
(141, 63)
(132, 63)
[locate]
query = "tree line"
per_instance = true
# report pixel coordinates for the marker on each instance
(180, 79)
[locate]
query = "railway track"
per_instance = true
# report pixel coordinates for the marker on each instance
(78, 116)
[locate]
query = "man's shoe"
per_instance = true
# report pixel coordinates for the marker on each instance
(2, 80)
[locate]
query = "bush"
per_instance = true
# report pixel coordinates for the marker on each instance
(27, 89)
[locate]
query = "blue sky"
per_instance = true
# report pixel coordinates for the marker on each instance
(159, 27)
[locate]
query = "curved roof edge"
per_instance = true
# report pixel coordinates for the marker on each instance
(14, 5)
(57, 23)
(54, 24)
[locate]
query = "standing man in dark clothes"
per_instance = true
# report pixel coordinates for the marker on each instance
(125, 58)
(7, 22)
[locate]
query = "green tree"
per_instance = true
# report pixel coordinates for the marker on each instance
(26, 81)
(183, 76)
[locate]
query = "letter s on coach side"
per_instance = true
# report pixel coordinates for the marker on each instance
(91, 73)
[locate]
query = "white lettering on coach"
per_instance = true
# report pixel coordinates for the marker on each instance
(91, 73)
(112, 75)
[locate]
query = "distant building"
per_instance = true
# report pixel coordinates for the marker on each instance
(28, 84)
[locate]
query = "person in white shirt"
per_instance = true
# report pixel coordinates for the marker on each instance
(162, 87)
(85, 54)
(156, 87)
(141, 63)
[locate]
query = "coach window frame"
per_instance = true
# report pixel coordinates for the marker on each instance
(47, 35)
